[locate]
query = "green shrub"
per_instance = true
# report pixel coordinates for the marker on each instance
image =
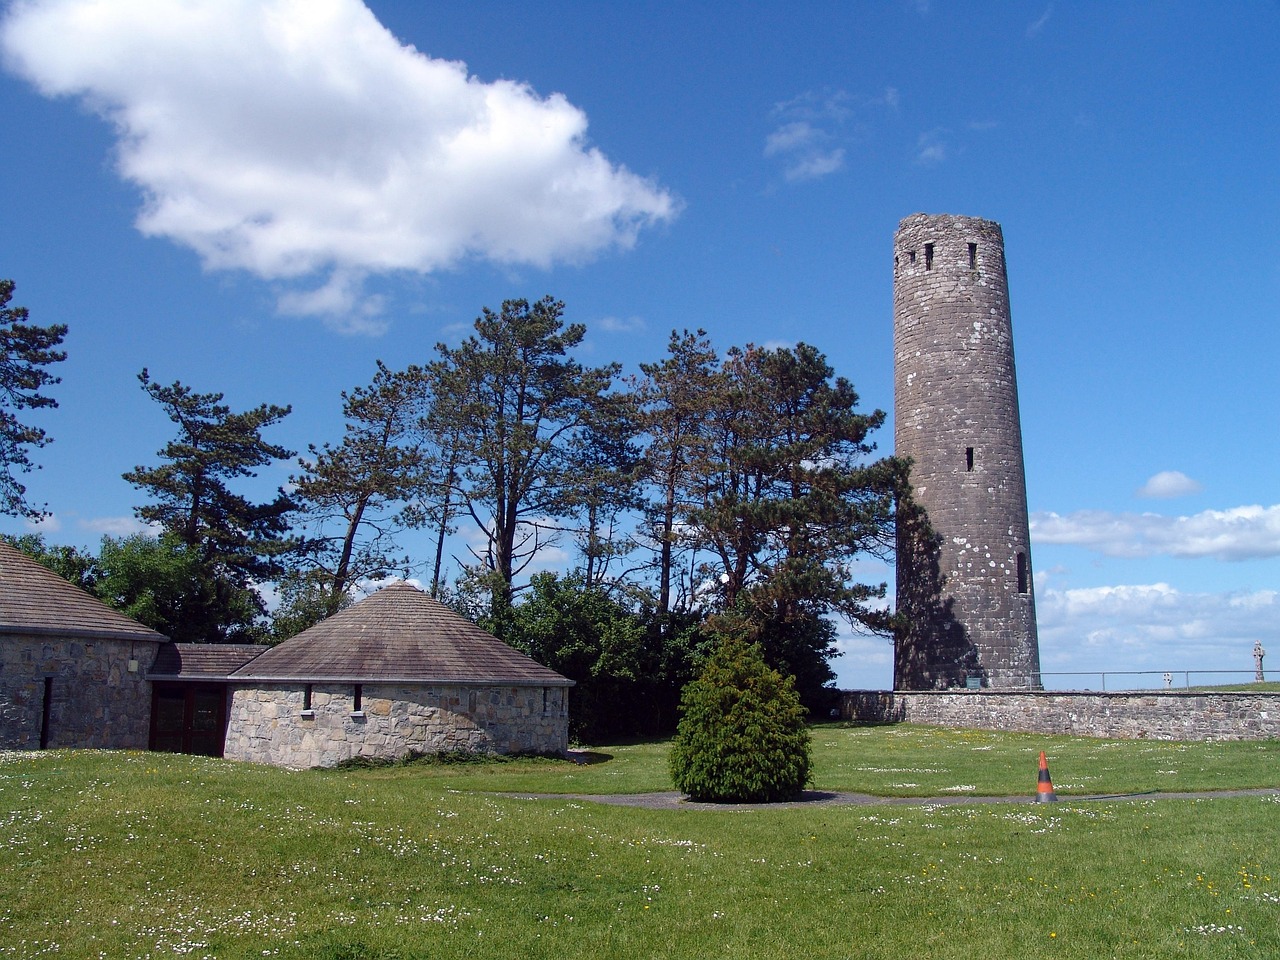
(743, 737)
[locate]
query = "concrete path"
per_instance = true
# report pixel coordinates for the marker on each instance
(672, 800)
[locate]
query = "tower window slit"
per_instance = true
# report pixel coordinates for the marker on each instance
(928, 256)
(968, 459)
(1022, 573)
(911, 255)
(973, 256)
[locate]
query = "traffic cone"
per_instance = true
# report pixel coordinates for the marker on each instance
(1044, 789)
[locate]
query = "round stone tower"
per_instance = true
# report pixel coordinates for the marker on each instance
(964, 586)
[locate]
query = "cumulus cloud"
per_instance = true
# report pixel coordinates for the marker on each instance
(1241, 533)
(1152, 627)
(1168, 484)
(299, 140)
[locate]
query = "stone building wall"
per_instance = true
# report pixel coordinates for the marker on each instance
(96, 700)
(969, 593)
(269, 723)
(1163, 715)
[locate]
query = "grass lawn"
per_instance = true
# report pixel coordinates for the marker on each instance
(911, 761)
(125, 855)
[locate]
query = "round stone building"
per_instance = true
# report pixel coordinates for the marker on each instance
(965, 594)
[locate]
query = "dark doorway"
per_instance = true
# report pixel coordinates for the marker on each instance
(189, 718)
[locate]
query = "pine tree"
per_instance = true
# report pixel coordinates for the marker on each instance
(514, 401)
(235, 541)
(353, 494)
(25, 351)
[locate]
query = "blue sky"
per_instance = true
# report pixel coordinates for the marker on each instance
(263, 197)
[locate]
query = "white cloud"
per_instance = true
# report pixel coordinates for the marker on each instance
(931, 149)
(1152, 627)
(621, 324)
(119, 526)
(1241, 533)
(810, 128)
(341, 298)
(805, 151)
(298, 139)
(1033, 29)
(46, 524)
(798, 135)
(1168, 484)
(815, 165)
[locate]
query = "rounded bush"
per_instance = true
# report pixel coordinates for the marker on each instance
(742, 737)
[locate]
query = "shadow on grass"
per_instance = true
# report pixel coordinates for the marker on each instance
(589, 758)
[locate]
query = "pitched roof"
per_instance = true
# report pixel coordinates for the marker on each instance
(202, 661)
(36, 601)
(399, 634)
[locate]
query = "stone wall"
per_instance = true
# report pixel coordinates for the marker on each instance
(1163, 715)
(96, 700)
(269, 724)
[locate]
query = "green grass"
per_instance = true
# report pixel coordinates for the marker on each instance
(905, 760)
(143, 855)
(1249, 686)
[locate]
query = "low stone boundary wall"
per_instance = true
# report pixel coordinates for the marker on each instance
(1162, 715)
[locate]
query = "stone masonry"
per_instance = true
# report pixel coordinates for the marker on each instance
(269, 723)
(1163, 715)
(96, 701)
(964, 555)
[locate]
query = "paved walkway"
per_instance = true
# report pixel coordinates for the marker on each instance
(671, 800)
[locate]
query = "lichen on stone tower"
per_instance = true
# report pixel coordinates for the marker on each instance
(966, 600)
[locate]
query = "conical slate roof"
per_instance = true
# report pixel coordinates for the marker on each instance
(35, 601)
(398, 634)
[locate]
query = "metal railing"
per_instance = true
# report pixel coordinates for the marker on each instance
(1161, 679)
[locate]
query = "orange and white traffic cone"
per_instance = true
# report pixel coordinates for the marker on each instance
(1044, 788)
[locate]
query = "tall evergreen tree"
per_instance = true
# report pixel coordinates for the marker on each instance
(517, 401)
(26, 351)
(789, 497)
(354, 494)
(676, 397)
(236, 541)
(609, 463)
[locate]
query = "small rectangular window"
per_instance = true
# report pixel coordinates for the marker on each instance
(357, 699)
(928, 256)
(306, 697)
(1022, 573)
(968, 459)
(46, 712)
(973, 256)
(911, 255)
